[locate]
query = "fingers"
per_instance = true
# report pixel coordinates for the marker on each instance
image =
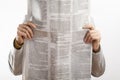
(24, 31)
(30, 24)
(27, 30)
(87, 37)
(92, 35)
(89, 26)
(21, 34)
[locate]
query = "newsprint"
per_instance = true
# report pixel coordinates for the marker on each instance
(57, 50)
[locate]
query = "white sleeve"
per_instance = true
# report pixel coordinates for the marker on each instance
(15, 61)
(98, 64)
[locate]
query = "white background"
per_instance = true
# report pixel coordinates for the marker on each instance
(106, 15)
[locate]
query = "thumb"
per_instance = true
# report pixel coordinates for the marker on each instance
(20, 39)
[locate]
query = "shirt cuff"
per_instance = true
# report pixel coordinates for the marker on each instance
(16, 45)
(97, 53)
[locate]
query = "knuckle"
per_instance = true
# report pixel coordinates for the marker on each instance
(27, 28)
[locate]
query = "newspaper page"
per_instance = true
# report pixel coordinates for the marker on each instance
(57, 50)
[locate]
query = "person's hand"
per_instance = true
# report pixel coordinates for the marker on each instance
(92, 36)
(24, 31)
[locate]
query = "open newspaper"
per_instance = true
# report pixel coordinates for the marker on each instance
(57, 50)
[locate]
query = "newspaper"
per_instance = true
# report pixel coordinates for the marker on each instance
(57, 50)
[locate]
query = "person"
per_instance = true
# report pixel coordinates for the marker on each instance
(24, 31)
